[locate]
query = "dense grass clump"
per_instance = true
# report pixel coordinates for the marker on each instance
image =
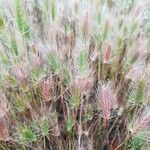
(74, 75)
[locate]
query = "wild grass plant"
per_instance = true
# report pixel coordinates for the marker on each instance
(74, 75)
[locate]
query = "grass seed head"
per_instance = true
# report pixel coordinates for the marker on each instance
(106, 99)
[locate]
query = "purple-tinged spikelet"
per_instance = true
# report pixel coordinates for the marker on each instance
(85, 25)
(107, 54)
(21, 74)
(106, 99)
(4, 132)
(46, 90)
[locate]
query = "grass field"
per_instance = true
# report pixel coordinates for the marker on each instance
(74, 75)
